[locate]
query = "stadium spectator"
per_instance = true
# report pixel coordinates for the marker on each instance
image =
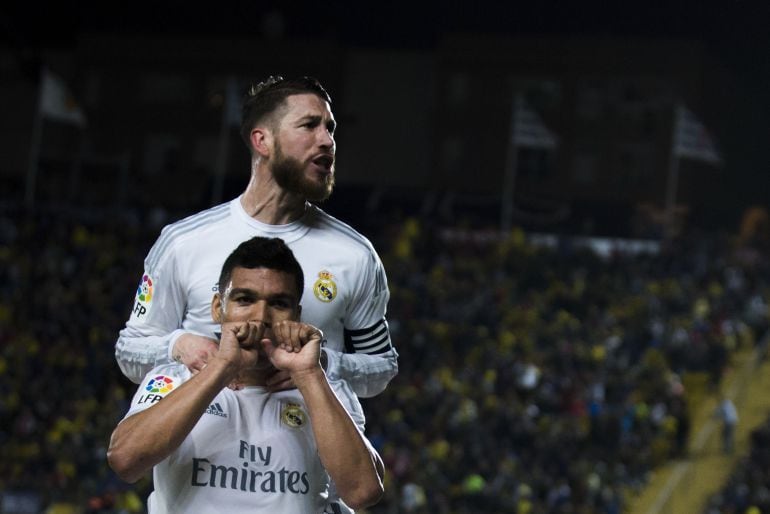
(728, 415)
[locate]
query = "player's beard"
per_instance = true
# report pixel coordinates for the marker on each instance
(288, 172)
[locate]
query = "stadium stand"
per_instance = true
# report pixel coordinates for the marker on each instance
(532, 378)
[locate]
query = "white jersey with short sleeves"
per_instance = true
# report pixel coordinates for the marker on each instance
(251, 451)
(346, 292)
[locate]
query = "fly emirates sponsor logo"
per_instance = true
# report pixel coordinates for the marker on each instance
(245, 478)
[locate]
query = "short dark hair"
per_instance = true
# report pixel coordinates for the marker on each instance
(264, 98)
(263, 252)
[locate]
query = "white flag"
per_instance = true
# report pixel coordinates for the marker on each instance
(528, 129)
(57, 103)
(691, 139)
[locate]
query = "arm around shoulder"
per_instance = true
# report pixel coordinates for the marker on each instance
(151, 330)
(367, 374)
(370, 361)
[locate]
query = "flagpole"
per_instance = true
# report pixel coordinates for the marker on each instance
(671, 187)
(509, 175)
(223, 151)
(76, 169)
(672, 180)
(34, 148)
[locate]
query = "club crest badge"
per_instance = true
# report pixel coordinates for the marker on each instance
(324, 288)
(293, 415)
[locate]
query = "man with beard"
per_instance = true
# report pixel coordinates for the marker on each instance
(289, 128)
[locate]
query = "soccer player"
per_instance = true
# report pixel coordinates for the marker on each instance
(289, 128)
(215, 449)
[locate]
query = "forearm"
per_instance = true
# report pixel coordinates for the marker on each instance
(138, 353)
(367, 374)
(132, 453)
(350, 461)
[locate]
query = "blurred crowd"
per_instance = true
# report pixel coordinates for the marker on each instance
(551, 379)
(533, 378)
(748, 488)
(66, 283)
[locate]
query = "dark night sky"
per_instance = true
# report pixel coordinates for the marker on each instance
(736, 31)
(398, 23)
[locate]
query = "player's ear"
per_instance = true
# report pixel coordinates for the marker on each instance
(261, 139)
(216, 308)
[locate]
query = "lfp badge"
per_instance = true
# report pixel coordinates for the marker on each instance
(156, 389)
(160, 384)
(143, 300)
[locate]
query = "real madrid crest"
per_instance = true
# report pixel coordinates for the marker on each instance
(324, 288)
(293, 415)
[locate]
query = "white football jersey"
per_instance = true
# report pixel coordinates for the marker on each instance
(345, 294)
(251, 451)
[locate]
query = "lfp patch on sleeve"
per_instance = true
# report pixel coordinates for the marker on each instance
(143, 300)
(156, 388)
(160, 384)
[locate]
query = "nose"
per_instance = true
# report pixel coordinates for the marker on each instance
(260, 312)
(326, 139)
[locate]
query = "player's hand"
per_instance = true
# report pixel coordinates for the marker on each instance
(194, 351)
(281, 380)
(240, 345)
(295, 347)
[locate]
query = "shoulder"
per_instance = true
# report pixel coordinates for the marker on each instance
(188, 229)
(340, 231)
(157, 384)
(196, 222)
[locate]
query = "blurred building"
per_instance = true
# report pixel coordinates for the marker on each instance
(411, 122)
(610, 102)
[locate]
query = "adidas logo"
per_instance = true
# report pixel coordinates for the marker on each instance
(216, 410)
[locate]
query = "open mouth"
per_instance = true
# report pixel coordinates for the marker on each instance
(324, 161)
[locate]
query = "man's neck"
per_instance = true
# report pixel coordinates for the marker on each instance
(265, 201)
